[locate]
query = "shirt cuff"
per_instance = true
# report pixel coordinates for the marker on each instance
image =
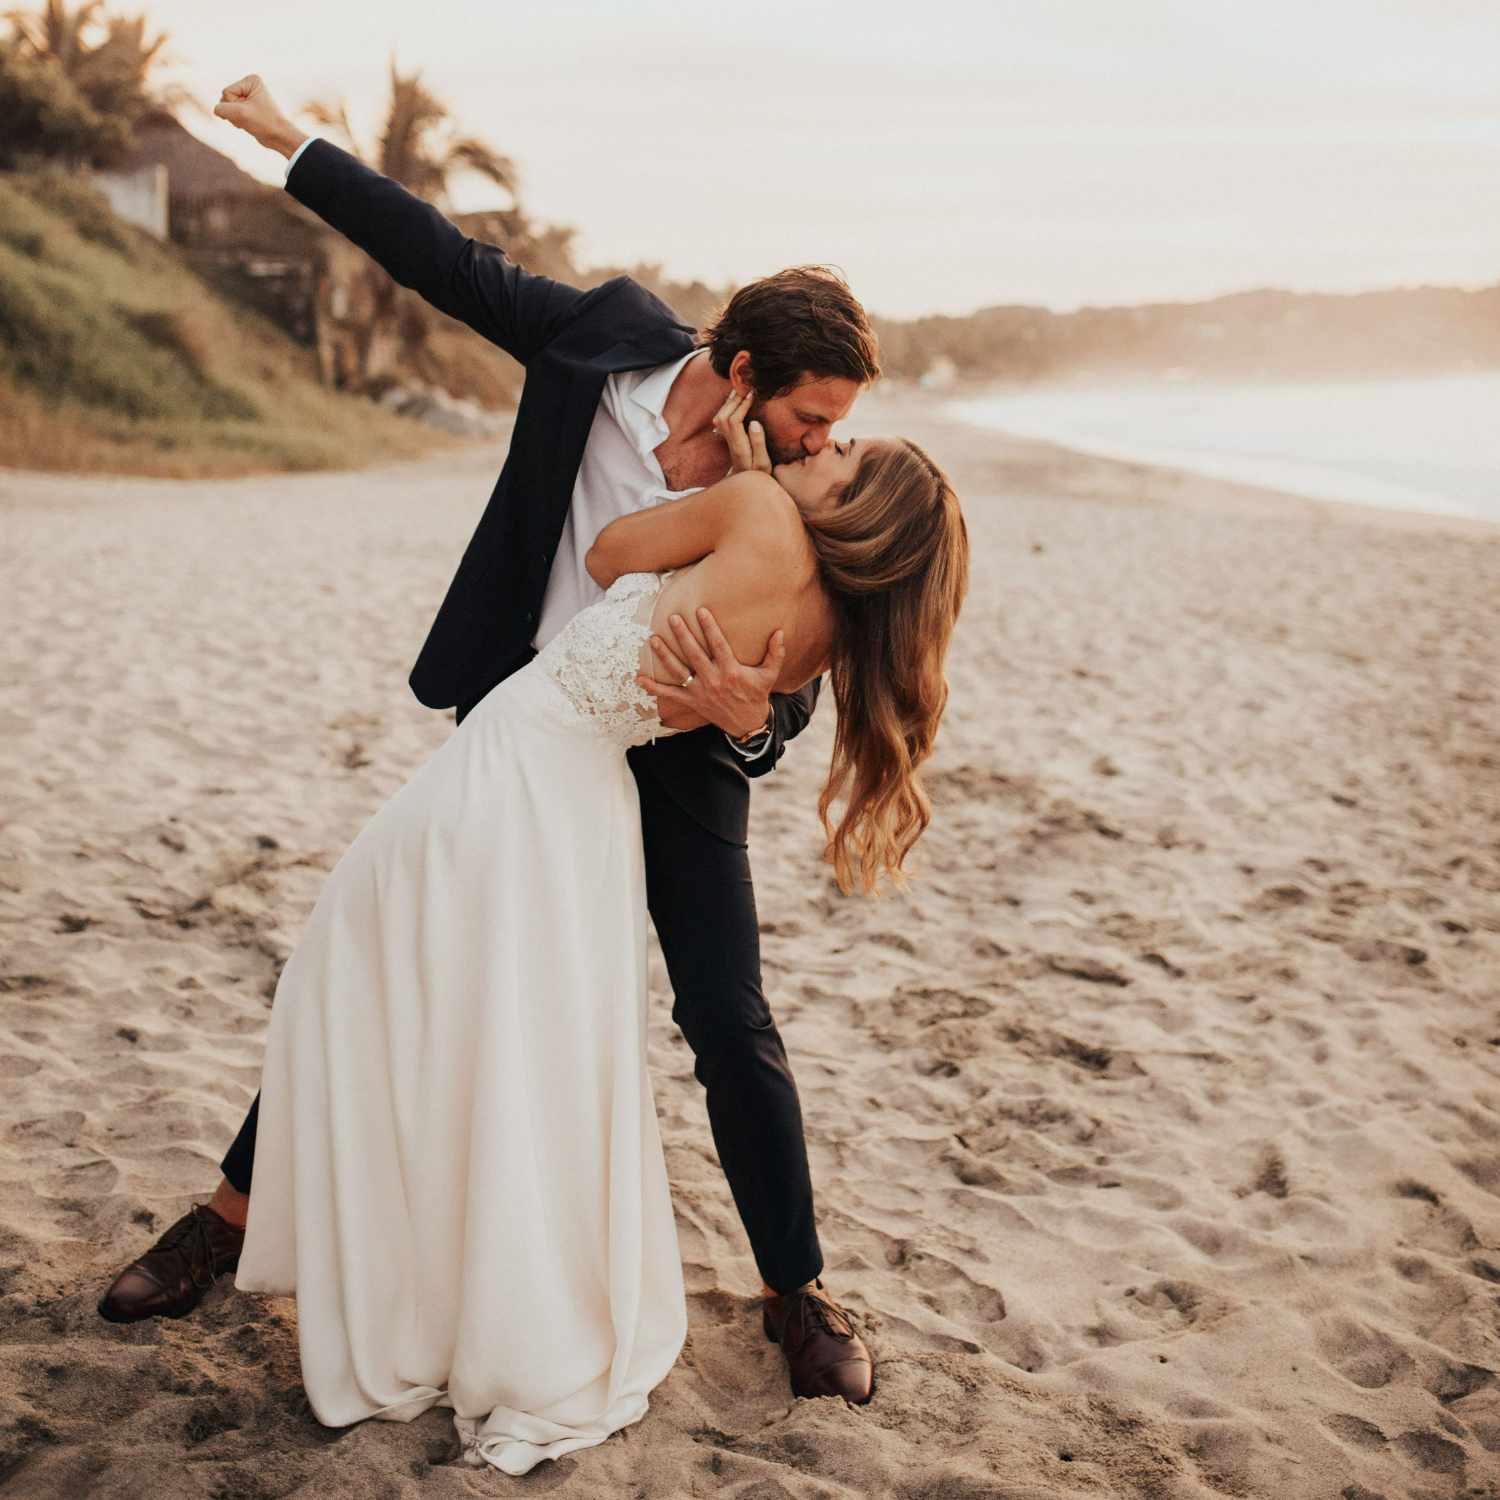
(758, 746)
(292, 160)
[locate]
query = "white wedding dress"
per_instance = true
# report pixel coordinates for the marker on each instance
(457, 1165)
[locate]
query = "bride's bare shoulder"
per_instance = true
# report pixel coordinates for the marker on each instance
(751, 490)
(764, 513)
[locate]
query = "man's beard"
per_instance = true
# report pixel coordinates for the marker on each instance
(757, 413)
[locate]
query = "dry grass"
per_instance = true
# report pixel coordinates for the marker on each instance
(116, 357)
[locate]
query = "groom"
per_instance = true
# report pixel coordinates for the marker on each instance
(618, 413)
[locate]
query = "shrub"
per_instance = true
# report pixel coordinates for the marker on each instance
(84, 206)
(30, 242)
(46, 116)
(184, 332)
(64, 345)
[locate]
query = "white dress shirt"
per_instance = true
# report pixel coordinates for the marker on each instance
(618, 475)
(291, 161)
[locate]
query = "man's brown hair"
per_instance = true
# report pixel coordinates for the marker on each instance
(801, 321)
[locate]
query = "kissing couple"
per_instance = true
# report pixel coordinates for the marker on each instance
(455, 1153)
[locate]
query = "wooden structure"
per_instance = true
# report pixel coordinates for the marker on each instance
(265, 247)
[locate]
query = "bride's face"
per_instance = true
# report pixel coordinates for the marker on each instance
(818, 481)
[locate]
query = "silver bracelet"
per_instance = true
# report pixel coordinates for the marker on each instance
(758, 741)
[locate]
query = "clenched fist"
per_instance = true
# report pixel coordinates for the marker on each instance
(248, 104)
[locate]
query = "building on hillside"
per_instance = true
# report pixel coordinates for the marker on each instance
(138, 196)
(256, 240)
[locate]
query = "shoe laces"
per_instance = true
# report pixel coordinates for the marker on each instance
(830, 1315)
(189, 1236)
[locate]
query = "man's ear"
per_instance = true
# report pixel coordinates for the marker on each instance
(742, 373)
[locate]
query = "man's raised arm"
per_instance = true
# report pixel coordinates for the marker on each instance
(476, 283)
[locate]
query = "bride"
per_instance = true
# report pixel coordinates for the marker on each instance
(458, 1149)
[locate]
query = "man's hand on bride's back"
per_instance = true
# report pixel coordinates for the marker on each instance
(747, 446)
(699, 687)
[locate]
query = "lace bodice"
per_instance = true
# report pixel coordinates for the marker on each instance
(594, 659)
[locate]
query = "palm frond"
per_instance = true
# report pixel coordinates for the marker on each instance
(57, 32)
(406, 153)
(124, 59)
(113, 72)
(336, 117)
(477, 156)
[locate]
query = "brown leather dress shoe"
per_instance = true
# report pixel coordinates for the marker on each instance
(169, 1280)
(826, 1356)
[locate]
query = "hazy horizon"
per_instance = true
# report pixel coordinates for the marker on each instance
(1157, 152)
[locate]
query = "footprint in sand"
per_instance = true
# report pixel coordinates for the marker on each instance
(1455, 1382)
(1271, 1176)
(974, 1171)
(57, 1129)
(1372, 950)
(11, 984)
(945, 1286)
(1436, 1226)
(1364, 1356)
(1280, 897)
(1483, 1172)
(1173, 1305)
(1355, 1431)
(895, 940)
(1435, 1454)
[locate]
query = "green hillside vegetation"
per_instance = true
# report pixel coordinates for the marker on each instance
(116, 357)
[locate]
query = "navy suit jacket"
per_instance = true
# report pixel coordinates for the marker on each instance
(569, 342)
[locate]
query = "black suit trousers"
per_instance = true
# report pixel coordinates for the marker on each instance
(702, 903)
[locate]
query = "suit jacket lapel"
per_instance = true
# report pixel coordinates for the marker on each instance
(586, 383)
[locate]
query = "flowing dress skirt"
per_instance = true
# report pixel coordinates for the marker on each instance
(458, 1169)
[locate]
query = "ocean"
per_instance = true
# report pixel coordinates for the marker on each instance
(1429, 444)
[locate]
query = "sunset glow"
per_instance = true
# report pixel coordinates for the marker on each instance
(947, 156)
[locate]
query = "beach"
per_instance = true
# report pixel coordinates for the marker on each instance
(1154, 1130)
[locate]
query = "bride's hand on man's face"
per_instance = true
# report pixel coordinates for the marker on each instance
(747, 446)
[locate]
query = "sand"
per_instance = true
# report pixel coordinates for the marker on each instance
(1155, 1131)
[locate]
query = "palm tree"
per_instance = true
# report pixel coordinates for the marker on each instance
(57, 32)
(109, 60)
(116, 74)
(419, 146)
(421, 149)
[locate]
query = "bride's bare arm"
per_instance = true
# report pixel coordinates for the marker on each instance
(679, 532)
(747, 546)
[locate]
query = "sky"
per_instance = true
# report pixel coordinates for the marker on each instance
(946, 156)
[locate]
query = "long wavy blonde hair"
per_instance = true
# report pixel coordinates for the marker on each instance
(893, 554)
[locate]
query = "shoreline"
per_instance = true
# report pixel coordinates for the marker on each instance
(1074, 469)
(1157, 460)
